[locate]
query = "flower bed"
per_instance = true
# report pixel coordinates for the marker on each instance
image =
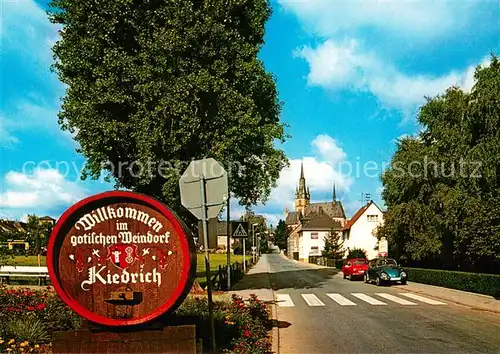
(28, 318)
(240, 326)
(252, 320)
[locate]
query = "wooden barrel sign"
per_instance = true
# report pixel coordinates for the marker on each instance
(121, 259)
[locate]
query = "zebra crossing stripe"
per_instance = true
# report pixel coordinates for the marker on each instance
(312, 300)
(368, 299)
(339, 299)
(284, 300)
(423, 299)
(395, 299)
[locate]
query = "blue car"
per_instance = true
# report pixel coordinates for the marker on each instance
(385, 271)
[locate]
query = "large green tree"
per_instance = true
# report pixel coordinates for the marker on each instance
(281, 235)
(153, 84)
(37, 234)
(442, 189)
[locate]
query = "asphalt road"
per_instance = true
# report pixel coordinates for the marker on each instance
(320, 312)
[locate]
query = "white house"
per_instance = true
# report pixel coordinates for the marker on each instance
(308, 238)
(360, 230)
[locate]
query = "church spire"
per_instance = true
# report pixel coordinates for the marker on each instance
(302, 190)
(334, 193)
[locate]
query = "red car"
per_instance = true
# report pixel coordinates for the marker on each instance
(355, 268)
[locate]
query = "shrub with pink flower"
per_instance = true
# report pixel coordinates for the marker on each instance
(30, 316)
(252, 319)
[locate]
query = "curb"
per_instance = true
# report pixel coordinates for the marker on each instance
(275, 336)
(451, 297)
(275, 333)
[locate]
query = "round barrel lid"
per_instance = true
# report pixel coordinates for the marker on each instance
(121, 258)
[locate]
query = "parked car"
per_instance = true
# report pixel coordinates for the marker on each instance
(354, 268)
(385, 271)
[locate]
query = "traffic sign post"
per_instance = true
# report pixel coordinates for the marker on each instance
(215, 179)
(203, 188)
(207, 259)
(241, 231)
(244, 258)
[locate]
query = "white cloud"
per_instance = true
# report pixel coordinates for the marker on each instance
(27, 37)
(345, 65)
(6, 139)
(419, 19)
(329, 149)
(42, 190)
(320, 173)
(26, 20)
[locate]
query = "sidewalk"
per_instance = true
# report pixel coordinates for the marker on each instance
(257, 281)
(472, 300)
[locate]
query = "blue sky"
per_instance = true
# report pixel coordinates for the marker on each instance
(352, 76)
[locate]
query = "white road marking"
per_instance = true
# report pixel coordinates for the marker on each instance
(368, 299)
(312, 300)
(395, 299)
(284, 300)
(339, 299)
(423, 299)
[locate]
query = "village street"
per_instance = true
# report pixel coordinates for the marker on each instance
(320, 312)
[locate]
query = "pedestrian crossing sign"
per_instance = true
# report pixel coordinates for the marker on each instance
(240, 230)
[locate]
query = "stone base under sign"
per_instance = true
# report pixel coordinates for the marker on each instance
(171, 339)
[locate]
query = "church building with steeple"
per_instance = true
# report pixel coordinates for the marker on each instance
(304, 209)
(310, 223)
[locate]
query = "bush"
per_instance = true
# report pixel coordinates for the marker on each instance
(357, 253)
(240, 327)
(237, 248)
(480, 283)
(26, 328)
(252, 322)
(30, 316)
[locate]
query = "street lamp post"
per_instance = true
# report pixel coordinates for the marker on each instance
(254, 243)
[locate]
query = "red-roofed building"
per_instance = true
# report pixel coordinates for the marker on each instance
(360, 230)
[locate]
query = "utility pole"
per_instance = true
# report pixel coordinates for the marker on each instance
(228, 232)
(254, 240)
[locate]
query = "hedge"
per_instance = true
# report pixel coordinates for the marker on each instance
(480, 283)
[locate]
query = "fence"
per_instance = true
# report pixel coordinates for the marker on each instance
(219, 280)
(334, 263)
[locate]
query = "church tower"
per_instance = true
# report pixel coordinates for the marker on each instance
(302, 195)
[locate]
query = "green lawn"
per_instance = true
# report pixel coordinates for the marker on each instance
(216, 259)
(26, 261)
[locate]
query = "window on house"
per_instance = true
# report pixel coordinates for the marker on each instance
(314, 235)
(314, 250)
(372, 217)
